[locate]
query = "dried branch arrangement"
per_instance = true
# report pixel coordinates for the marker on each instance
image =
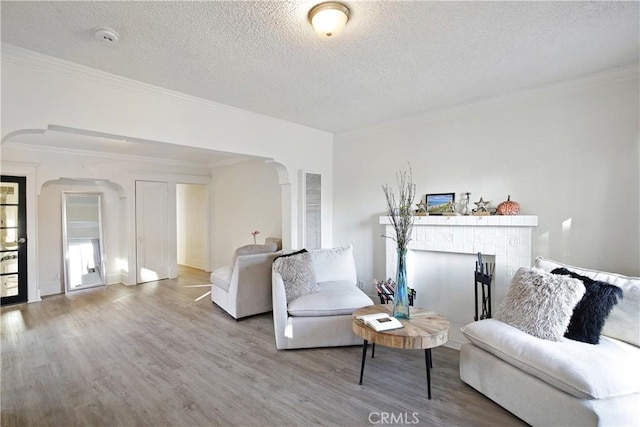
(399, 208)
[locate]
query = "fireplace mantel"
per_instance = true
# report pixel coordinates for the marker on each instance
(507, 238)
(475, 221)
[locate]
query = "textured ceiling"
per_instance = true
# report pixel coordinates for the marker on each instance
(395, 59)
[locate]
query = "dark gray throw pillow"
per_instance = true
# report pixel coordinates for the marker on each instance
(301, 251)
(592, 310)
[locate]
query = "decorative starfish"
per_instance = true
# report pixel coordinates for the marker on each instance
(481, 204)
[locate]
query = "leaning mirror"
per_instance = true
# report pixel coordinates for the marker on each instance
(82, 237)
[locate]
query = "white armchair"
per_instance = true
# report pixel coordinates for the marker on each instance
(322, 318)
(244, 288)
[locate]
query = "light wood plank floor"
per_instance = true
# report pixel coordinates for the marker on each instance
(154, 354)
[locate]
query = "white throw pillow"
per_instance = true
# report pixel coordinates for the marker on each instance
(297, 275)
(540, 303)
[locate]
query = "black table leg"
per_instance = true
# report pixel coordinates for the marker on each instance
(364, 358)
(373, 350)
(427, 360)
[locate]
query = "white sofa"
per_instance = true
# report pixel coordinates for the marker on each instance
(244, 288)
(564, 383)
(322, 318)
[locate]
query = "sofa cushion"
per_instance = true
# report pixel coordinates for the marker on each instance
(297, 274)
(540, 303)
(332, 299)
(221, 277)
(591, 311)
(624, 321)
(334, 264)
(601, 371)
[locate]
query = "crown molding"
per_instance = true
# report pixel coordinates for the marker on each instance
(590, 80)
(51, 65)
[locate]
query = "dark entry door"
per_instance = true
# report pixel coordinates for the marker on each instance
(13, 239)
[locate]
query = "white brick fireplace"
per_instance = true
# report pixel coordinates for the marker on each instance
(506, 240)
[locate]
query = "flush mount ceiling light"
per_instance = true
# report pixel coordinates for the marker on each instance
(329, 18)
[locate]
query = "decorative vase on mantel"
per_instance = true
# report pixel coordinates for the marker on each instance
(401, 297)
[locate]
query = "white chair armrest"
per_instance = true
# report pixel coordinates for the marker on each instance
(279, 309)
(250, 288)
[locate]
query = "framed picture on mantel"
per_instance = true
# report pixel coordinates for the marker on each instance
(437, 204)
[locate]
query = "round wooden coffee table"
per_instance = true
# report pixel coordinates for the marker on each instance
(424, 331)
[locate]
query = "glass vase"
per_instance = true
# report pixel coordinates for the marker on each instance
(401, 297)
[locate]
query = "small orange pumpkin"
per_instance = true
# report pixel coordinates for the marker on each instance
(508, 207)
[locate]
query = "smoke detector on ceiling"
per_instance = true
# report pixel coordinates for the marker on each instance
(106, 35)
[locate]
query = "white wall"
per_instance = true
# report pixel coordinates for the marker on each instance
(39, 91)
(246, 197)
(568, 153)
(192, 207)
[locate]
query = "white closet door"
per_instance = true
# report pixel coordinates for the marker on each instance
(152, 230)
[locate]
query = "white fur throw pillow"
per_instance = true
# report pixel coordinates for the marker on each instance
(540, 303)
(297, 275)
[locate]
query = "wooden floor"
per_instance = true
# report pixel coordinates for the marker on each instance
(155, 354)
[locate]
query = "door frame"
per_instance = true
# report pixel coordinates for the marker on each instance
(171, 244)
(29, 171)
(23, 273)
(172, 180)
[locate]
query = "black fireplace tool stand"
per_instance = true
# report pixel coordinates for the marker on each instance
(483, 278)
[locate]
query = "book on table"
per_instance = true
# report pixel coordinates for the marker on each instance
(380, 321)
